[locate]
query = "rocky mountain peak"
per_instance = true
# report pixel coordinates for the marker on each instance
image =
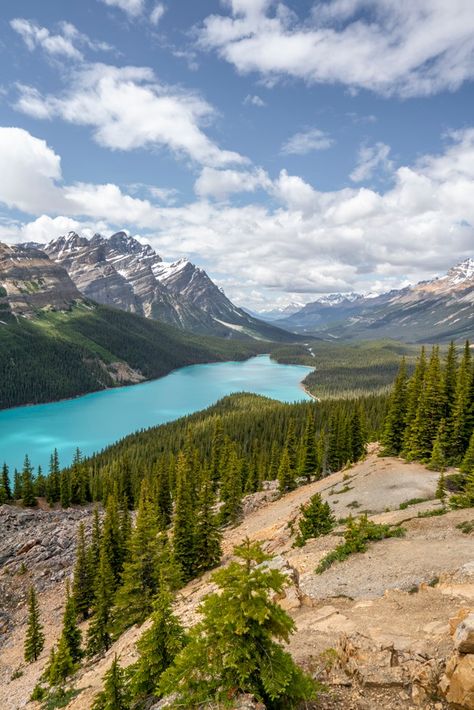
(462, 272)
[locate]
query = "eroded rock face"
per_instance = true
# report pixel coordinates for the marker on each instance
(464, 635)
(458, 682)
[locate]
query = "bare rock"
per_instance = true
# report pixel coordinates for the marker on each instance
(464, 635)
(458, 683)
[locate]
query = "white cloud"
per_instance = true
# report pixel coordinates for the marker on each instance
(310, 242)
(413, 48)
(157, 13)
(222, 183)
(133, 8)
(62, 44)
(254, 100)
(127, 108)
(370, 159)
(307, 141)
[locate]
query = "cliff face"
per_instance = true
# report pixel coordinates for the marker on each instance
(29, 282)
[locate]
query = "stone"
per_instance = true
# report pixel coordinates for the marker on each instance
(456, 620)
(460, 690)
(464, 635)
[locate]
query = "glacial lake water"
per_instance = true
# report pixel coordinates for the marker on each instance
(95, 420)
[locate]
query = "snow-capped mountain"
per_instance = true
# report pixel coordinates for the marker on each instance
(122, 272)
(439, 309)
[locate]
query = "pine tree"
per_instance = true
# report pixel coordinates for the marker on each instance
(395, 422)
(140, 576)
(316, 519)
(158, 647)
(441, 492)
(291, 445)
(464, 499)
(450, 378)
(357, 435)
(437, 460)
(163, 496)
(429, 411)
(183, 523)
(414, 390)
(78, 480)
(71, 634)
(309, 458)
(65, 489)
(40, 484)
(83, 588)
(61, 665)
(235, 648)
(207, 536)
(286, 474)
(53, 484)
(467, 465)
(116, 693)
(112, 539)
(34, 640)
(99, 631)
(17, 487)
(27, 484)
(461, 426)
(217, 445)
(5, 488)
(231, 488)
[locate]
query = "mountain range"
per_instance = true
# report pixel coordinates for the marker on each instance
(121, 272)
(437, 310)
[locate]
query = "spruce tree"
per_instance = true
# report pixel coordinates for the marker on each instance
(40, 484)
(291, 445)
(53, 484)
(235, 648)
(316, 519)
(207, 536)
(17, 487)
(183, 523)
(112, 539)
(441, 492)
(157, 648)
(116, 693)
(414, 390)
(99, 631)
(83, 588)
(429, 411)
(450, 378)
(5, 488)
(65, 489)
(309, 457)
(27, 484)
(286, 474)
(461, 425)
(467, 465)
(34, 640)
(231, 488)
(71, 633)
(464, 499)
(437, 460)
(61, 666)
(357, 435)
(395, 422)
(140, 576)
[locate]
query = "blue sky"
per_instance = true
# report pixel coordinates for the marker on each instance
(291, 149)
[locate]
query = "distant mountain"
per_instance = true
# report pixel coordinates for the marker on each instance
(277, 313)
(437, 310)
(56, 343)
(120, 271)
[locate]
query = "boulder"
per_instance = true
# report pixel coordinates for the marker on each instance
(464, 635)
(458, 684)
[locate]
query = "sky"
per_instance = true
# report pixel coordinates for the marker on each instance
(291, 149)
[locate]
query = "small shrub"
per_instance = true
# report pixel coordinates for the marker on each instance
(16, 674)
(354, 504)
(358, 533)
(316, 519)
(39, 693)
(432, 513)
(466, 527)
(412, 501)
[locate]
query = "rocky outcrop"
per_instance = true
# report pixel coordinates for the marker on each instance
(29, 282)
(457, 684)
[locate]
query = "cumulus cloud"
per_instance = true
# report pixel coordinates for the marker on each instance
(371, 159)
(307, 141)
(127, 108)
(64, 43)
(133, 8)
(222, 183)
(413, 48)
(307, 242)
(254, 100)
(157, 13)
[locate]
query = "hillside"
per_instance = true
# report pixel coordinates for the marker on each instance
(431, 311)
(392, 602)
(122, 272)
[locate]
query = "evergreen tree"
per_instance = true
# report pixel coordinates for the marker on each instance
(140, 576)
(207, 536)
(357, 435)
(71, 634)
(441, 488)
(40, 484)
(112, 538)
(217, 445)
(99, 631)
(467, 465)
(437, 460)
(231, 488)
(83, 588)
(53, 485)
(116, 693)
(5, 488)
(309, 458)
(158, 647)
(27, 484)
(429, 411)
(163, 496)
(450, 378)
(286, 474)
(34, 640)
(65, 489)
(395, 422)
(61, 665)
(183, 523)
(461, 424)
(316, 519)
(464, 499)
(78, 478)
(291, 445)
(414, 390)
(235, 647)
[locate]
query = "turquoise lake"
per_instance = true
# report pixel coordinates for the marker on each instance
(93, 421)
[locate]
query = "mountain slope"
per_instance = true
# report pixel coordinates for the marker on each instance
(122, 272)
(438, 310)
(54, 343)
